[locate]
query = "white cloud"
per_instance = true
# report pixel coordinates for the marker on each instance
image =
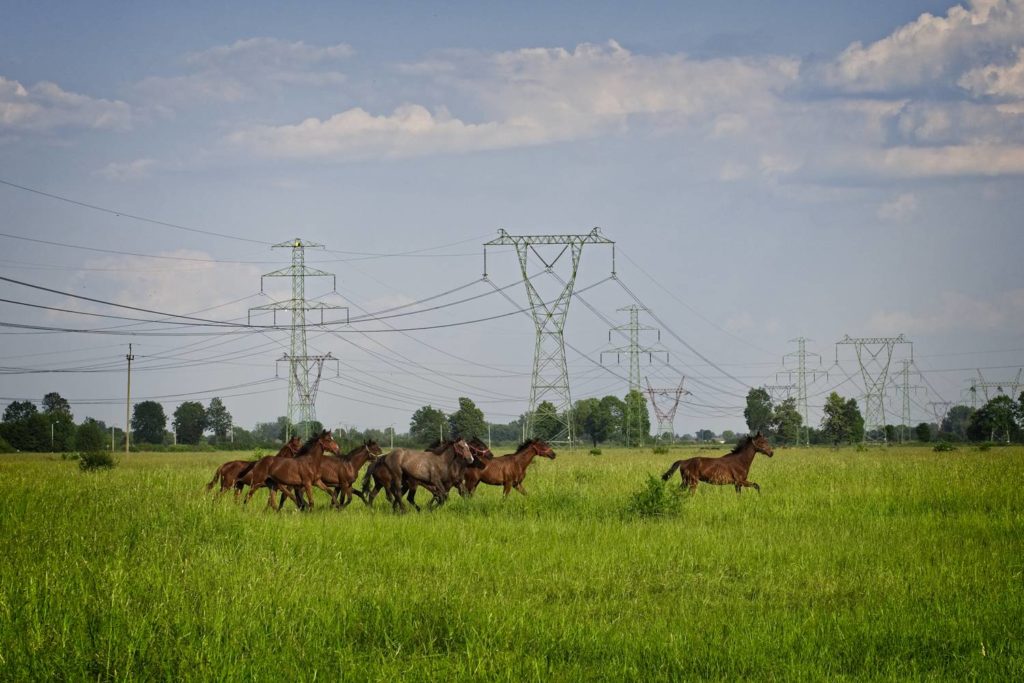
(996, 80)
(957, 311)
(240, 71)
(929, 49)
(898, 209)
(46, 106)
(127, 170)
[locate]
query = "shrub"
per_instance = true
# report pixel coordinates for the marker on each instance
(595, 451)
(5, 447)
(660, 450)
(96, 460)
(986, 446)
(656, 499)
(943, 447)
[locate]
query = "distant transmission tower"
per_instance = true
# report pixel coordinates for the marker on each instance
(905, 389)
(778, 392)
(939, 410)
(634, 328)
(802, 373)
(1010, 387)
(666, 416)
(874, 355)
(550, 377)
(304, 370)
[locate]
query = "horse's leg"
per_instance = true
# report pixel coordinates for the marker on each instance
(507, 486)
(749, 483)
(308, 487)
(519, 487)
(286, 492)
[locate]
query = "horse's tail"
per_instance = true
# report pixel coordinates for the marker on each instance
(367, 475)
(216, 476)
(672, 469)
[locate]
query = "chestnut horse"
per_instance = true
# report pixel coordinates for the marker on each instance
(436, 472)
(233, 473)
(728, 469)
(381, 475)
(301, 471)
(342, 472)
(509, 471)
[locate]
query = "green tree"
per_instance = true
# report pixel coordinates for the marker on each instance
(636, 409)
(271, 432)
(546, 423)
(995, 420)
(705, 435)
(148, 422)
(19, 410)
(854, 420)
(891, 434)
(954, 425)
(593, 419)
(834, 421)
(786, 422)
(55, 404)
(91, 435)
(923, 432)
(424, 427)
(468, 421)
(218, 420)
(190, 422)
(729, 436)
(758, 412)
(615, 410)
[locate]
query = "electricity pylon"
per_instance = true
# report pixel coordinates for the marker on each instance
(874, 355)
(905, 388)
(1010, 387)
(800, 385)
(778, 392)
(633, 328)
(939, 410)
(666, 416)
(550, 378)
(304, 370)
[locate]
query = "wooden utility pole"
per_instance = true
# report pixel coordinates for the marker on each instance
(128, 403)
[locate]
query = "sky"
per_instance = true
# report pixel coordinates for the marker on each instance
(767, 171)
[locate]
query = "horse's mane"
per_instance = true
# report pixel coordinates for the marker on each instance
(526, 443)
(308, 445)
(436, 443)
(742, 444)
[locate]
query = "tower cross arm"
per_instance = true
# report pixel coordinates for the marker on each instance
(505, 239)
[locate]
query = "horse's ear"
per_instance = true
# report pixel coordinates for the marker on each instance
(758, 434)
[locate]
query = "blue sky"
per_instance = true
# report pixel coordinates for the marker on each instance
(768, 171)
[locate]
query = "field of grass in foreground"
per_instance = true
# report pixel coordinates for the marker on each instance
(885, 564)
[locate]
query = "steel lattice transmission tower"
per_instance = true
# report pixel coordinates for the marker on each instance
(800, 385)
(1011, 387)
(874, 355)
(905, 389)
(939, 410)
(666, 416)
(550, 377)
(779, 392)
(634, 349)
(304, 370)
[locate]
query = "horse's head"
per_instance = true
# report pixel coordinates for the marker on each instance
(541, 448)
(374, 447)
(761, 445)
(294, 444)
(462, 451)
(480, 449)
(327, 442)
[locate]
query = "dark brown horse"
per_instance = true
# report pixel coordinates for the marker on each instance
(302, 471)
(728, 469)
(435, 472)
(509, 471)
(234, 473)
(380, 475)
(341, 473)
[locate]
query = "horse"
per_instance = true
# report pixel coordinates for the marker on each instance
(509, 471)
(437, 472)
(727, 469)
(234, 473)
(381, 475)
(341, 472)
(301, 471)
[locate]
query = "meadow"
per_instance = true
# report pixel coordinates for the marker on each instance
(885, 564)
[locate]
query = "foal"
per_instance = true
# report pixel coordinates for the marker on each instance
(728, 469)
(509, 471)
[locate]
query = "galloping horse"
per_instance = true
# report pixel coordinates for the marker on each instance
(303, 470)
(728, 469)
(341, 472)
(436, 472)
(509, 471)
(233, 474)
(380, 475)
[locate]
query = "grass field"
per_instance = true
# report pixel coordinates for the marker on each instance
(885, 564)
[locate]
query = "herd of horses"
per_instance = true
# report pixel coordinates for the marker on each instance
(455, 463)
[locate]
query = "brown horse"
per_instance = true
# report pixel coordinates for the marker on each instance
(380, 475)
(435, 472)
(301, 471)
(233, 473)
(728, 469)
(509, 471)
(341, 473)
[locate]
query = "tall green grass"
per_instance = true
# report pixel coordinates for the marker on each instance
(877, 565)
